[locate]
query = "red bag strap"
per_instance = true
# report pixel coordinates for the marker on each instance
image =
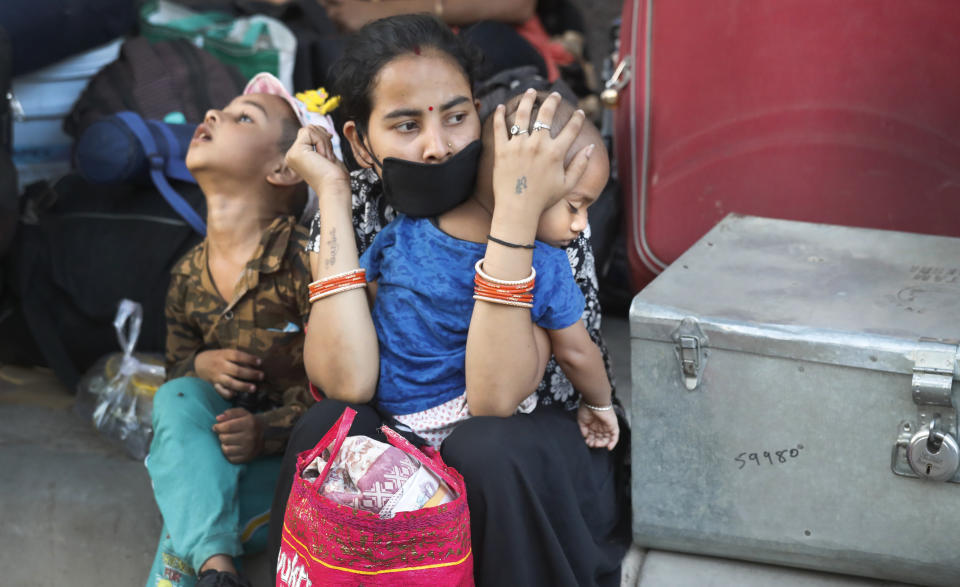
(337, 434)
(435, 464)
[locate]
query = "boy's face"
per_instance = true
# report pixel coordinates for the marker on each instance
(243, 139)
(564, 221)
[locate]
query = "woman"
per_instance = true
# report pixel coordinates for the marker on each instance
(554, 502)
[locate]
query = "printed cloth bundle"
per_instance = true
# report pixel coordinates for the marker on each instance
(378, 478)
(364, 512)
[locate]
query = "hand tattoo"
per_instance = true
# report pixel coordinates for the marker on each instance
(333, 246)
(521, 184)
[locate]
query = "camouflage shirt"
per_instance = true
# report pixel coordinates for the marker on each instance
(265, 318)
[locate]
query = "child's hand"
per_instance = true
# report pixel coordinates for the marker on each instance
(241, 435)
(528, 166)
(599, 429)
(230, 371)
(313, 158)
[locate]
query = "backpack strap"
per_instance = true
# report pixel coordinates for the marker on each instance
(176, 166)
(176, 201)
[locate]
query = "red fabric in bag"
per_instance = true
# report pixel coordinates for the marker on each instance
(325, 543)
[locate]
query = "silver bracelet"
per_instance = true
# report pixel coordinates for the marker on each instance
(597, 408)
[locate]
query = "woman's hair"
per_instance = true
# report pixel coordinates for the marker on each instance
(369, 49)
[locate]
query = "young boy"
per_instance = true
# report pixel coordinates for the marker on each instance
(235, 313)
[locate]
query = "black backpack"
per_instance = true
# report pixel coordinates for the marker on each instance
(154, 80)
(80, 249)
(8, 173)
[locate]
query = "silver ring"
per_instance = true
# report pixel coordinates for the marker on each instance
(537, 125)
(516, 130)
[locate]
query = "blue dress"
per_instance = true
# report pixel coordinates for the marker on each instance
(424, 304)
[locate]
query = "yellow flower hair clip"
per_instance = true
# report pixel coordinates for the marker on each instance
(318, 101)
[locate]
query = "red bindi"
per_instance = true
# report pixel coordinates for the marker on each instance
(430, 108)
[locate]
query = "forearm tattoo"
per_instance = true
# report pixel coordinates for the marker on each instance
(332, 247)
(521, 184)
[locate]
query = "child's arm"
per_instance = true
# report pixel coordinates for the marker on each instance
(582, 362)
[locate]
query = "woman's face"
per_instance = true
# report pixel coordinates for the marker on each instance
(423, 111)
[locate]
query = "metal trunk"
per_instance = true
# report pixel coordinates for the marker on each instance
(781, 370)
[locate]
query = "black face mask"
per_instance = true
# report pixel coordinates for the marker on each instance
(430, 189)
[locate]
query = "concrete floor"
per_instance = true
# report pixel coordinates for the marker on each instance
(76, 510)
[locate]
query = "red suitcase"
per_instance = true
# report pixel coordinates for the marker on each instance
(838, 112)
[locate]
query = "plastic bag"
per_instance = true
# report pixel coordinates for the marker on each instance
(250, 43)
(117, 392)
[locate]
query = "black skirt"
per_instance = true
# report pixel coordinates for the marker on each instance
(544, 508)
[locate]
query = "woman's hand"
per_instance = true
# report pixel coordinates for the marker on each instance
(528, 171)
(599, 429)
(313, 158)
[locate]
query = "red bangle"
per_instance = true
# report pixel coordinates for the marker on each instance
(517, 293)
(327, 286)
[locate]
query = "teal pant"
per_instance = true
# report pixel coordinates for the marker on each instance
(209, 505)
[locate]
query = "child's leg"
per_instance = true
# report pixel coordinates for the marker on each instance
(257, 483)
(170, 569)
(195, 486)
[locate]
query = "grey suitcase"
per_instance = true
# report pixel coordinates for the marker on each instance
(782, 372)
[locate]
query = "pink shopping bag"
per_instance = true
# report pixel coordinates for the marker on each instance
(327, 543)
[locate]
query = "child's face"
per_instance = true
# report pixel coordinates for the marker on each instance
(244, 138)
(423, 111)
(564, 221)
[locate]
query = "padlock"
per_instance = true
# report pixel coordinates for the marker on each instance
(934, 454)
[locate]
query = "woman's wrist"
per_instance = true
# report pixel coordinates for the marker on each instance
(333, 190)
(514, 224)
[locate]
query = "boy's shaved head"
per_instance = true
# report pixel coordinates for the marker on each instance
(588, 132)
(599, 160)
